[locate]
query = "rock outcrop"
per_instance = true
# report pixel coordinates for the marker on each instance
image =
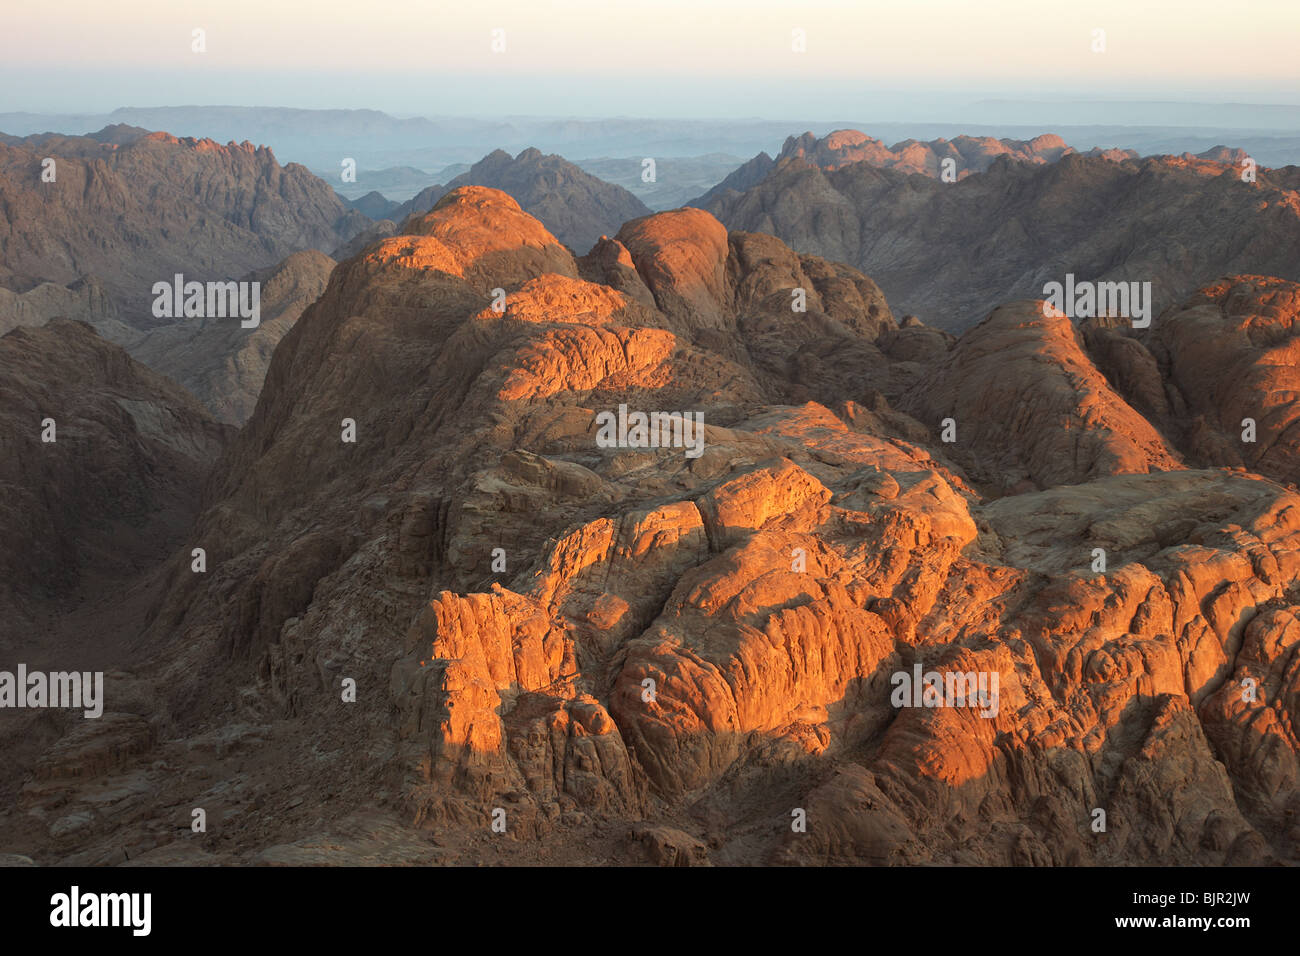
(1019, 400)
(1232, 352)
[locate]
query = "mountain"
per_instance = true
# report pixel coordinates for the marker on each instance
(577, 207)
(743, 177)
(86, 516)
(381, 143)
(224, 364)
(398, 182)
(680, 652)
(1031, 408)
(1218, 368)
(374, 205)
(187, 206)
(968, 153)
(952, 252)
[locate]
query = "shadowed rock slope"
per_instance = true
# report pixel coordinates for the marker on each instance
(221, 362)
(101, 466)
(645, 654)
(103, 462)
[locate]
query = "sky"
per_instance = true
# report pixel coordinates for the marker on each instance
(654, 58)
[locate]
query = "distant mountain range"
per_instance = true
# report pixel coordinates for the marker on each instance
(676, 180)
(398, 183)
(957, 158)
(1021, 213)
(1019, 216)
(321, 139)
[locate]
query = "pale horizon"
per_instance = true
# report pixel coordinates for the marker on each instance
(674, 59)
